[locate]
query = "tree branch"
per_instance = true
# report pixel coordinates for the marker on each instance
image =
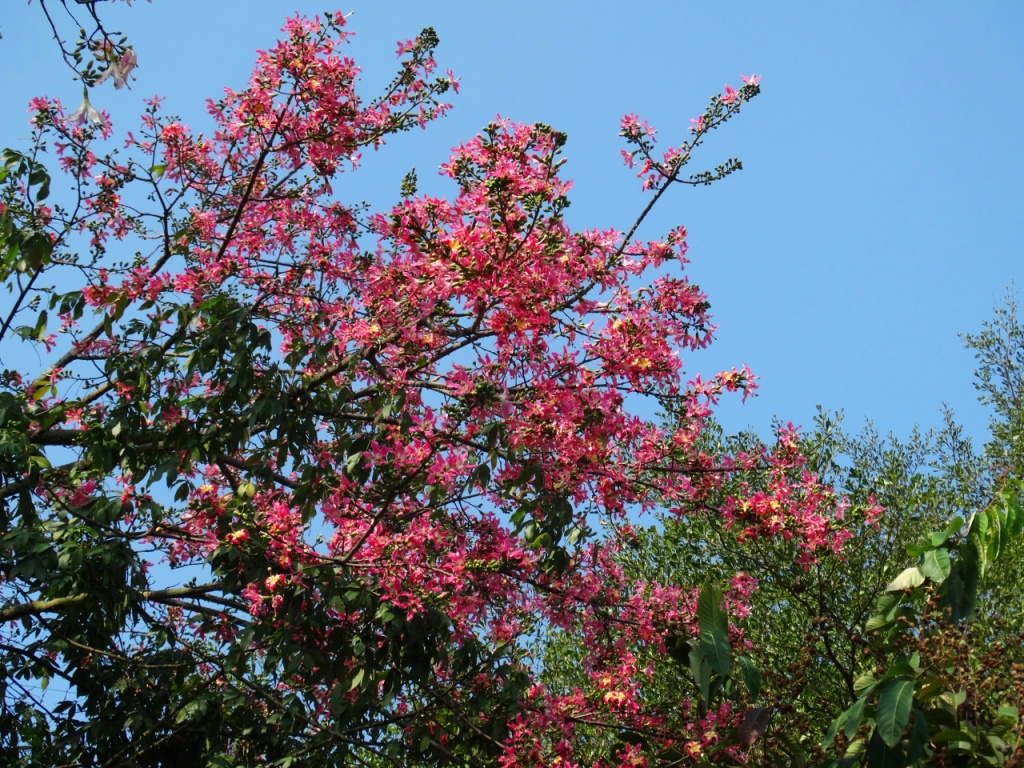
(57, 604)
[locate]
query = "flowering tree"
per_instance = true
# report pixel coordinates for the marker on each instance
(286, 480)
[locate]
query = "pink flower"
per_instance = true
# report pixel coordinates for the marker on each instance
(81, 495)
(752, 80)
(698, 123)
(453, 81)
(729, 96)
(127, 63)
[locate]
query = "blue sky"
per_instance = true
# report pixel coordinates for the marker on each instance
(878, 215)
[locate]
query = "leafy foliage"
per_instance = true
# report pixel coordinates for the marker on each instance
(922, 625)
(884, 662)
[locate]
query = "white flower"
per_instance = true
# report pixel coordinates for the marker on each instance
(86, 113)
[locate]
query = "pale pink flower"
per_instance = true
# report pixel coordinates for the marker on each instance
(729, 96)
(86, 113)
(127, 63)
(752, 80)
(120, 69)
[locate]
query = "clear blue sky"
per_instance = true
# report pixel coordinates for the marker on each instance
(879, 213)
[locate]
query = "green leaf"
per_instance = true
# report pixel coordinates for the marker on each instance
(714, 629)
(696, 657)
(1014, 514)
(701, 671)
(854, 716)
(1008, 713)
(918, 738)
(357, 679)
(838, 722)
(353, 462)
(935, 565)
(997, 745)
(955, 698)
(978, 540)
(877, 622)
(898, 669)
(885, 602)
(751, 675)
(37, 250)
(909, 579)
(997, 539)
(894, 704)
(882, 755)
(864, 683)
(853, 752)
(961, 588)
(791, 744)
(952, 735)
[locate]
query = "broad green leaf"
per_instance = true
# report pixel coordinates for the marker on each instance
(1014, 514)
(937, 538)
(37, 250)
(751, 675)
(1008, 713)
(882, 755)
(833, 729)
(910, 578)
(978, 541)
(965, 577)
(701, 671)
(952, 736)
(353, 462)
(885, 602)
(854, 716)
(41, 389)
(898, 669)
(918, 549)
(998, 746)
(930, 689)
(853, 750)
(39, 461)
(714, 629)
(918, 738)
(997, 538)
(793, 747)
(954, 699)
(864, 683)
(935, 565)
(894, 703)
(877, 622)
(357, 679)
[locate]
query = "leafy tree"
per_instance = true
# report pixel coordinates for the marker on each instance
(999, 350)
(289, 481)
(905, 665)
(948, 685)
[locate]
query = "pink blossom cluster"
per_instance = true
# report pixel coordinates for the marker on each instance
(502, 351)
